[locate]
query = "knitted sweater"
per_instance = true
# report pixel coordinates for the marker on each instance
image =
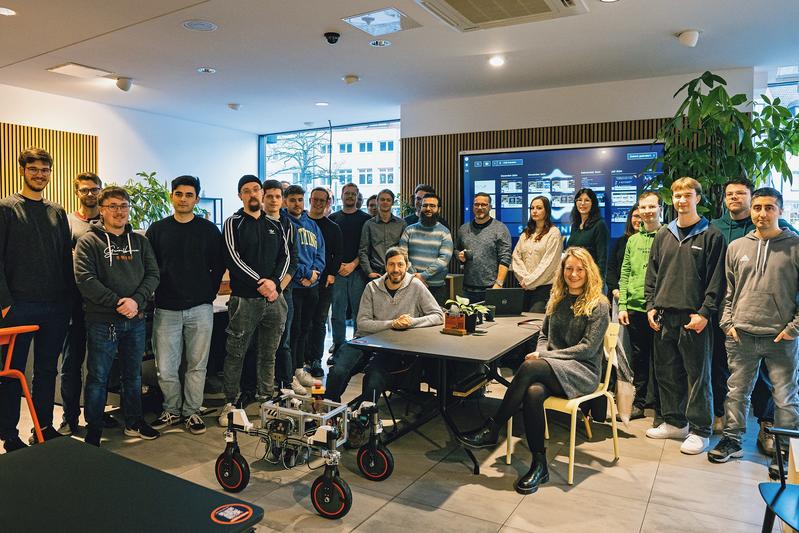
(486, 246)
(379, 309)
(429, 251)
(536, 263)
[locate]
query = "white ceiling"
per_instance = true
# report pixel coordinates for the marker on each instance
(271, 58)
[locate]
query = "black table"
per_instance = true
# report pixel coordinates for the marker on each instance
(502, 336)
(64, 485)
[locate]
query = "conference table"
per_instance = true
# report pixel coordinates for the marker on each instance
(66, 485)
(497, 339)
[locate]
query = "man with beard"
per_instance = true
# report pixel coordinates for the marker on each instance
(396, 300)
(419, 192)
(36, 283)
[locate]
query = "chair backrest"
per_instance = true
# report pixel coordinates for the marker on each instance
(7, 337)
(609, 344)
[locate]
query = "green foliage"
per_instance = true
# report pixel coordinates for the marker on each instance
(405, 207)
(712, 140)
(465, 307)
(149, 200)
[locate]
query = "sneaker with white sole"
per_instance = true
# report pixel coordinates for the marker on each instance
(223, 415)
(305, 379)
(298, 389)
(725, 450)
(667, 431)
(142, 430)
(195, 425)
(166, 419)
(694, 444)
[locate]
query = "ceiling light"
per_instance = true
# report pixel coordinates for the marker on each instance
(688, 38)
(124, 84)
(321, 104)
(608, 1)
(234, 106)
(380, 43)
(6, 12)
(382, 22)
(79, 71)
(199, 25)
(496, 61)
(349, 79)
(206, 70)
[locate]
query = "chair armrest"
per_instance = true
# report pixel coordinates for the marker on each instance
(792, 433)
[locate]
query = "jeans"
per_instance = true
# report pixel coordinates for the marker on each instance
(53, 320)
(641, 339)
(248, 315)
(744, 359)
(175, 333)
(719, 372)
(106, 339)
(72, 363)
(682, 367)
(305, 301)
(316, 337)
(349, 361)
(347, 291)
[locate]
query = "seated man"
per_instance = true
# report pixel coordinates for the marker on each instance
(396, 300)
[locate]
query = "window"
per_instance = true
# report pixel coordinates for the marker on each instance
(365, 176)
(365, 147)
(386, 146)
(345, 175)
(386, 175)
(345, 148)
(326, 148)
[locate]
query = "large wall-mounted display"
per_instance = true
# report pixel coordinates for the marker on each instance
(514, 177)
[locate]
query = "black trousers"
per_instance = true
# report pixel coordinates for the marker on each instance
(315, 344)
(305, 301)
(641, 340)
(535, 301)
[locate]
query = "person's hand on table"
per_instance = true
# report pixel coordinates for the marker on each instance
(402, 322)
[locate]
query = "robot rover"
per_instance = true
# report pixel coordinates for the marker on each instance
(294, 428)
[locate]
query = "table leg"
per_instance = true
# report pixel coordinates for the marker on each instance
(442, 407)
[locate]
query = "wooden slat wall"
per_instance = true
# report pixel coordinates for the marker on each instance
(72, 154)
(434, 159)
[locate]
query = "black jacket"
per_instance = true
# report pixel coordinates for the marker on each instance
(255, 249)
(615, 259)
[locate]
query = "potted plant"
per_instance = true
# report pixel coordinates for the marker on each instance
(469, 311)
(712, 139)
(150, 200)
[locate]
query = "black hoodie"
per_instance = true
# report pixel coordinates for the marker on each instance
(109, 267)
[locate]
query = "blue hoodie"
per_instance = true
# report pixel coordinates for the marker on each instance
(310, 249)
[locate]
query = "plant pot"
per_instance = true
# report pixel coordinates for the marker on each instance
(471, 323)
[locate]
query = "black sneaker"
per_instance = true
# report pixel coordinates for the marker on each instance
(93, 436)
(109, 422)
(245, 398)
(48, 432)
(637, 413)
(725, 450)
(142, 430)
(165, 420)
(68, 427)
(316, 369)
(195, 424)
(13, 444)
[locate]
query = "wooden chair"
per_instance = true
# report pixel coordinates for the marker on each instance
(8, 337)
(572, 407)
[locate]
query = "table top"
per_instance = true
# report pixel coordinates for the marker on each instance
(502, 336)
(65, 485)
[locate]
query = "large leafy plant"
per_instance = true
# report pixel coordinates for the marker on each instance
(149, 200)
(712, 137)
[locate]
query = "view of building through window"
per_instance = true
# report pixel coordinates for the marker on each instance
(367, 155)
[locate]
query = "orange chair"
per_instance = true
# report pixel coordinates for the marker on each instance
(8, 336)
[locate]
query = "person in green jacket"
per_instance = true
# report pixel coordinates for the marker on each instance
(632, 305)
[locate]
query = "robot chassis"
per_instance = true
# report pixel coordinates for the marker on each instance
(296, 427)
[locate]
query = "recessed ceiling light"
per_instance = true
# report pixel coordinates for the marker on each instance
(79, 71)
(6, 12)
(199, 25)
(321, 104)
(496, 61)
(235, 106)
(380, 43)
(608, 1)
(206, 70)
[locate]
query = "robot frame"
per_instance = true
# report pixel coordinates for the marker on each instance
(294, 428)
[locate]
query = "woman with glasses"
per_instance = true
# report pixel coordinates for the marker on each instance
(588, 229)
(536, 256)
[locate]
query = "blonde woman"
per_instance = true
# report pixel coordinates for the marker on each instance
(536, 256)
(567, 361)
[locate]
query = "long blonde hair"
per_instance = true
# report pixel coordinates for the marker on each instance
(592, 290)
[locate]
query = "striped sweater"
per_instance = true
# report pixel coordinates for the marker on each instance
(429, 251)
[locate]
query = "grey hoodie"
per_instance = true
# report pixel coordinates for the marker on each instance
(378, 308)
(109, 267)
(762, 285)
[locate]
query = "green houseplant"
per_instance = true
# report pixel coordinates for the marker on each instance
(150, 200)
(712, 139)
(469, 311)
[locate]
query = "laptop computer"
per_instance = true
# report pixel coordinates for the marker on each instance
(508, 302)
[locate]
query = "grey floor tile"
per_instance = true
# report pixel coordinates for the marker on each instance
(662, 519)
(753, 465)
(402, 516)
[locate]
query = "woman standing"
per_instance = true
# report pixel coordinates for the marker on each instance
(617, 254)
(588, 229)
(536, 256)
(567, 362)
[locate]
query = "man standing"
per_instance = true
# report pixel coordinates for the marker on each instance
(378, 235)
(682, 289)
(331, 234)
(116, 272)
(484, 249)
(429, 246)
(632, 304)
(257, 257)
(305, 285)
(188, 249)
(419, 193)
(87, 189)
(350, 281)
(761, 321)
(36, 283)
(371, 206)
(396, 300)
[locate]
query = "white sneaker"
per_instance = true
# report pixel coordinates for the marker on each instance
(296, 388)
(667, 431)
(694, 444)
(223, 415)
(305, 379)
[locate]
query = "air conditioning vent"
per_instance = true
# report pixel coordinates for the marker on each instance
(471, 15)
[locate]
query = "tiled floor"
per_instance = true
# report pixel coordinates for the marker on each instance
(653, 487)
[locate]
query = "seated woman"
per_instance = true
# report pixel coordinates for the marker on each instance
(567, 363)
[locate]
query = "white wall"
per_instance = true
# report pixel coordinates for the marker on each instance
(131, 141)
(583, 104)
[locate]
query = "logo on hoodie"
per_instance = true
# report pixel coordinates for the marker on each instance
(125, 253)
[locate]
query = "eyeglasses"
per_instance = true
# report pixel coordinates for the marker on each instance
(39, 170)
(429, 206)
(117, 207)
(733, 194)
(480, 205)
(86, 192)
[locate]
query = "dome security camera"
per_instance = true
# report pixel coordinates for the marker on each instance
(332, 37)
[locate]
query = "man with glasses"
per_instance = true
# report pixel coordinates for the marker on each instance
(116, 272)
(419, 193)
(484, 249)
(36, 284)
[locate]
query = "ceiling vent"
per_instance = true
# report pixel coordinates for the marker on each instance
(471, 15)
